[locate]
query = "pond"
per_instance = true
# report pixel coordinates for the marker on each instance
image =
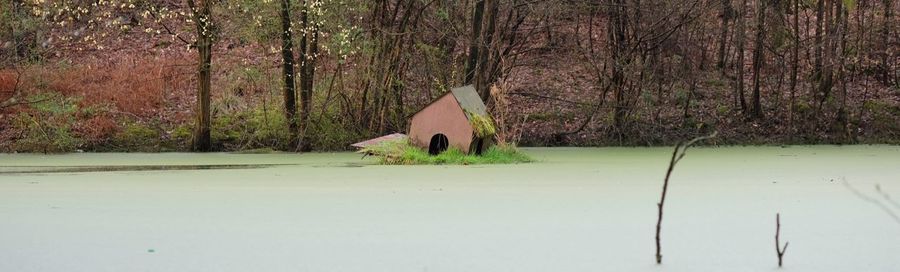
(577, 209)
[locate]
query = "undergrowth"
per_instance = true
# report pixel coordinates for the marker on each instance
(48, 127)
(401, 152)
(482, 124)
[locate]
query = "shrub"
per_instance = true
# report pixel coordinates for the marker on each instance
(96, 131)
(180, 137)
(255, 127)
(329, 132)
(883, 117)
(133, 85)
(482, 124)
(138, 137)
(723, 110)
(47, 126)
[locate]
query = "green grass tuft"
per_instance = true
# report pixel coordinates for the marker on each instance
(482, 124)
(401, 152)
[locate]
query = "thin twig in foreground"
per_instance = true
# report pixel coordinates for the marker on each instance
(778, 249)
(677, 155)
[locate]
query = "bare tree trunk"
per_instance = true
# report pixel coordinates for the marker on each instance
(758, 56)
(741, 33)
(202, 141)
(617, 34)
(394, 33)
(307, 55)
(306, 140)
(795, 66)
(483, 78)
(886, 40)
(826, 77)
(840, 47)
(475, 45)
(14, 50)
(287, 57)
(820, 13)
(727, 13)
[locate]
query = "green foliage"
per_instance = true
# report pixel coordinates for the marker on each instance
(803, 107)
(240, 121)
(180, 137)
(545, 116)
(260, 22)
(482, 124)
(138, 137)
(647, 97)
(255, 21)
(808, 3)
(262, 150)
(19, 31)
(401, 152)
(434, 60)
(328, 132)
(723, 110)
(781, 38)
(849, 5)
(327, 129)
(48, 127)
(681, 95)
(716, 82)
(883, 112)
(252, 128)
(443, 14)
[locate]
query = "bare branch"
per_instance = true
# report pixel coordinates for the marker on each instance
(778, 249)
(677, 155)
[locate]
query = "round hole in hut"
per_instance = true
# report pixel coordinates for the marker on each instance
(478, 146)
(439, 143)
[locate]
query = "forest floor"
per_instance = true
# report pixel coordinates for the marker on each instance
(576, 209)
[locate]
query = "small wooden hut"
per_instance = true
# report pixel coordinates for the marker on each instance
(457, 119)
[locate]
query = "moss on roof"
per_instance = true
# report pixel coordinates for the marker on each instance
(483, 125)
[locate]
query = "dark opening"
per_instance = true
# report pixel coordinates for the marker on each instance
(439, 143)
(478, 146)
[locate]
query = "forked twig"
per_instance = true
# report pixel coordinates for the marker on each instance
(778, 249)
(677, 155)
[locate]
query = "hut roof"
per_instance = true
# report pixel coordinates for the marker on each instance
(467, 98)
